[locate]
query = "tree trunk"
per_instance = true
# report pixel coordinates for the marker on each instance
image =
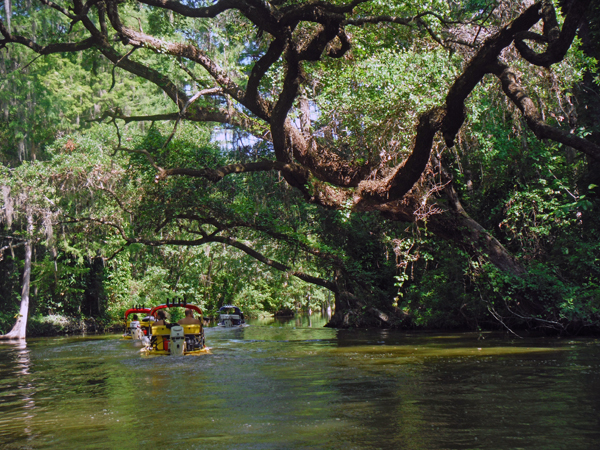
(8, 11)
(20, 328)
(94, 297)
(352, 312)
(458, 226)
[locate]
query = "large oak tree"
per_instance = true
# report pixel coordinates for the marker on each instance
(269, 93)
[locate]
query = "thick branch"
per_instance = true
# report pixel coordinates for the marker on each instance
(323, 163)
(216, 175)
(542, 130)
(315, 11)
(478, 67)
(258, 12)
(404, 176)
(559, 41)
(262, 66)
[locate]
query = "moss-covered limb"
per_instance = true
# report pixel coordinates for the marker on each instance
(542, 130)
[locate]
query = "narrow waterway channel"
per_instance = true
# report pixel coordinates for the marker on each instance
(295, 384)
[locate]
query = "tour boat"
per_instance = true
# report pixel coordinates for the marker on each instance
(175, 339)
(136, 329)
(230, 316)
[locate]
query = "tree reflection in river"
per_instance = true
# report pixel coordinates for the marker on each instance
(285, 384)
(18, 360)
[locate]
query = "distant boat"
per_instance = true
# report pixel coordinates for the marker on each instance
(137, 329)
(231, 316)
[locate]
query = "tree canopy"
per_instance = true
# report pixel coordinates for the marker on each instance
(351, 117)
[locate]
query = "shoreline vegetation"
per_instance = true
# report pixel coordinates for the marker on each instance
(60, 325)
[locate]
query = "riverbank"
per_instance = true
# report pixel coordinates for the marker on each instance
(57, 325)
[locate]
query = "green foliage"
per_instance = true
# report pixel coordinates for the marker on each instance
(10, 289)
(372, 102)
(120, 290)
(61, 286)
(436, 291)
(46, 96)
(7, 318)
(86, 197)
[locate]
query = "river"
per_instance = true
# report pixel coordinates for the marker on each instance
(296, 385)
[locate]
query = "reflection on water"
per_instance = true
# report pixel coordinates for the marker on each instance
(294, 384)
(298, 321)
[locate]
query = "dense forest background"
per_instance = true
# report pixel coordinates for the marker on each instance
(429, 164)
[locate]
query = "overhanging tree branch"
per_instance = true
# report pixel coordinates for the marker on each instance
(218, 174)
(216, 239)
(477, 68)
(542, 130)
(558, 40)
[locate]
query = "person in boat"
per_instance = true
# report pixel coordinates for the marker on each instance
(161, 319)
(135, 322)
(189, 319)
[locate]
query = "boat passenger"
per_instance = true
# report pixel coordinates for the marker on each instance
(135, 322)
(161, 319)
(189, 319)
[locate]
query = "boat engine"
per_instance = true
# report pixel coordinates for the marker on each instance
(135, 330)
(137, 334)
(177, 340)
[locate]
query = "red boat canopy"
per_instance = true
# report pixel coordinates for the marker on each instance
(175, 305)
(136, 310)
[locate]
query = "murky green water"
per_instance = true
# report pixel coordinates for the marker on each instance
(283, 386)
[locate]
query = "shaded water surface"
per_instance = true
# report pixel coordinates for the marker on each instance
(276, 385)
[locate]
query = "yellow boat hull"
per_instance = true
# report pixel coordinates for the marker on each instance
(160, 344)
(150, 351)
